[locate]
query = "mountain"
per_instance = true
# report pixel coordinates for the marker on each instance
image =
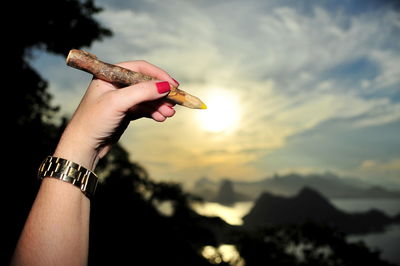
(310, 205)
(205, 188)
(227, 195)
(328, 184)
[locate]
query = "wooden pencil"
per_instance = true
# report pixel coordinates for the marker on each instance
(124, 77)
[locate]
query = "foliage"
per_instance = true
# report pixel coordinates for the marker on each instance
(126, 226)
(53, 26)
(305, 244)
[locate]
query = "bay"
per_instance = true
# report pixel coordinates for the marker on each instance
(389, 206)
(231, 214)
(388, 242)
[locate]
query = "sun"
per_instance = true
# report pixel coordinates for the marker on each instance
(222, 113)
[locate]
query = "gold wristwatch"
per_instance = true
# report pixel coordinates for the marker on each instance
(69, 172)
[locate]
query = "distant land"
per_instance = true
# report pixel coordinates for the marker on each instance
(227, 195)
(331, 186)
(311, 206)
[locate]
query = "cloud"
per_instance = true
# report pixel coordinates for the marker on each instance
(369, 165)
(339, 146)
(294, 66)
(381, 172)
(66, 84)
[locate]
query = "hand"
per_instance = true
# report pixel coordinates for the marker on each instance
(105, 111)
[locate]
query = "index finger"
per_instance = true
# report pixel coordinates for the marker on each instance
(148, 69)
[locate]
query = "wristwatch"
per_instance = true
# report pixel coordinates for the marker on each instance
(69, 172)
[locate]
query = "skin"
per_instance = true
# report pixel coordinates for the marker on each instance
(57, 229)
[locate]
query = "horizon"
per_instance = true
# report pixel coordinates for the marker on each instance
(352, 182)
(292, 86)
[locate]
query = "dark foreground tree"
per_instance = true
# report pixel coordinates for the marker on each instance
(126, 227)
(56, 27)
(306, 244)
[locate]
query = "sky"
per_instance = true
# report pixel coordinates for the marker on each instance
(292, 86)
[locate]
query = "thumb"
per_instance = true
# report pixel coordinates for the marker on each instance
(142, 92)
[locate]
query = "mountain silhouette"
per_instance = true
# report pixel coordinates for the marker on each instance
(330, 185)
(310, 205)
(227, 195)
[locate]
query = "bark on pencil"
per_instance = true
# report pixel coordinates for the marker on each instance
(124, 77)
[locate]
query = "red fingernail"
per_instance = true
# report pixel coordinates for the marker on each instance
(163, 87)
(176, 81)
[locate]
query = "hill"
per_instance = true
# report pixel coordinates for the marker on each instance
(310, 205)
(227, 195)
(328, 184)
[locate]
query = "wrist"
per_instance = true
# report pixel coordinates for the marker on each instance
(78, 152)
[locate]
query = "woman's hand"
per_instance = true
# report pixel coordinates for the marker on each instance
(105, 111)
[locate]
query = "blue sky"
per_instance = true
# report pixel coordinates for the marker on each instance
(305, 86)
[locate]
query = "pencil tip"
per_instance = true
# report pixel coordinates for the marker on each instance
(193, 102)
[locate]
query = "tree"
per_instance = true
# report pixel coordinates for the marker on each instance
(52, 26)
(127, 228)
(305, 244)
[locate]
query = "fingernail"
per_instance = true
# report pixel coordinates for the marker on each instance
(163, 87)
(176, 81)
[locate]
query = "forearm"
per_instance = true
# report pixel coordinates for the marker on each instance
(57, 229)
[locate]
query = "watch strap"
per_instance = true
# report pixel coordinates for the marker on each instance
(69, 172)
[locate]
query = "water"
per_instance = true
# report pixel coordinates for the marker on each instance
(230, 214)
(224, 253)
(389, 206)
(388, 242)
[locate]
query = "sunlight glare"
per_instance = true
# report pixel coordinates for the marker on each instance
(222, 113)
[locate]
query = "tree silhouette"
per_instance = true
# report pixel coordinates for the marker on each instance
(56, 27)
(127, 228)
(305, 244)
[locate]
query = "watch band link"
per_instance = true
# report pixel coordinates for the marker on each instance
(69, 172)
